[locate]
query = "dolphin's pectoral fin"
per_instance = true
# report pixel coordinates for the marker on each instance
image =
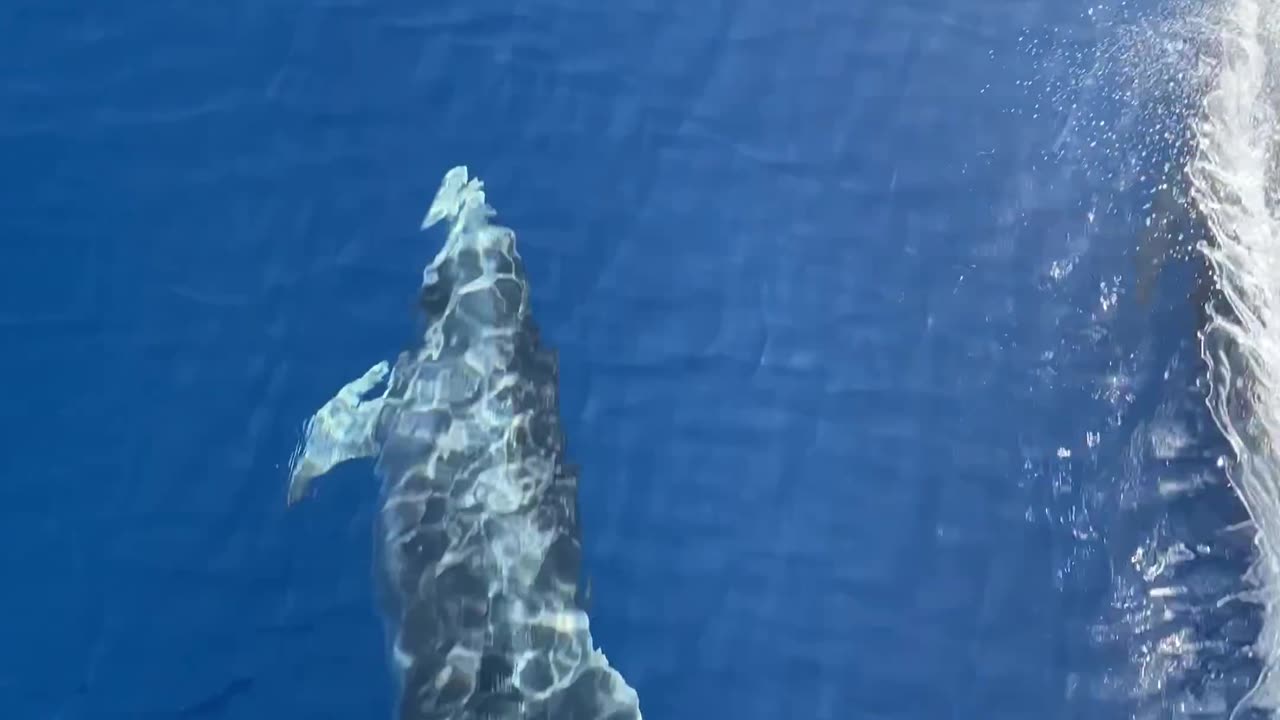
(341, 430)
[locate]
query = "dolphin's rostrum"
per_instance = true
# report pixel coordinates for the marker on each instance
(478, 546)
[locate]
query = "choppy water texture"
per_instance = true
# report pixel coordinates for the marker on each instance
(916, 357)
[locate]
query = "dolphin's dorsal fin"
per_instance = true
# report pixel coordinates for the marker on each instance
(341, 430)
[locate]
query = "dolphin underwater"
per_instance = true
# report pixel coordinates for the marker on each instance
(478, 552)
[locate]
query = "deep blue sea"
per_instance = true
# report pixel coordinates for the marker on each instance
(888, 400)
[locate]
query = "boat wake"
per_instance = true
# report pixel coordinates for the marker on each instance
(1235, 179)
(1172, 119)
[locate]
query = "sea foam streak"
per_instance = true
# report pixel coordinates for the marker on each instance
(1235, 180)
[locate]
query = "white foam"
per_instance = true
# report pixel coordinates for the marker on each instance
(1156, 72)
(1234, 181)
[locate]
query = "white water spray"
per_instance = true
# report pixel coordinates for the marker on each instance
(1234, 185)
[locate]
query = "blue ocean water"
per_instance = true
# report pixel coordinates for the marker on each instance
(862, 355)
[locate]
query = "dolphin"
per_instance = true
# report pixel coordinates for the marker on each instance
(478, 548)
(1176, 231)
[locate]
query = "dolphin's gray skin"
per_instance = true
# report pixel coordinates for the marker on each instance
(1174, 229)
(478, 546)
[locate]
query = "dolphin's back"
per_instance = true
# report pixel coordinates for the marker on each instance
(479, 556)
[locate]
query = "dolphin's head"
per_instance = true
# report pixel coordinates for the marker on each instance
(482, 284)
(476, 283)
